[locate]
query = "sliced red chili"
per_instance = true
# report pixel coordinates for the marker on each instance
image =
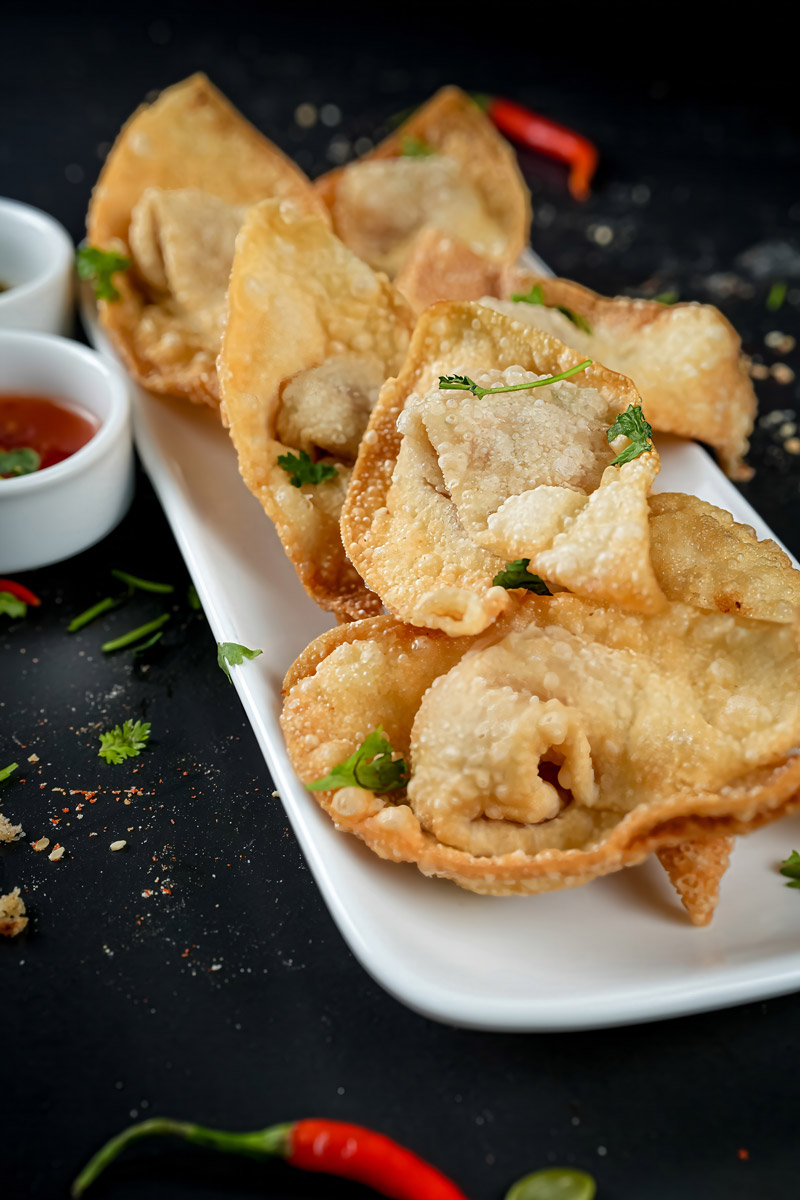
(21, 593)
(544, 136)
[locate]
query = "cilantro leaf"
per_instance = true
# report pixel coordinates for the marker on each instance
(536, 296)
(98, 266)
(463, 383)
(666, 298)
(776, 295)
(9, 770)
(301, 469)
(371, 767)
(21, 461)
(232, 654)
(631, 424)
(516, 575)
(415, 147)
(12, 606)
(124, 741)
(790, 867)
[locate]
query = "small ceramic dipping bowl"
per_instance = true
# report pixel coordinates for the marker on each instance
(54, 513)
(36, 270)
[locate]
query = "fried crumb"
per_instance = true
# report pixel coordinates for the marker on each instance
(759, 370)
(42, 844)
(57, 853)
(781, 343)
(782, 373)
(12, 914)
(9, 832)
(33, 758)
(120, 845)
(792, 445)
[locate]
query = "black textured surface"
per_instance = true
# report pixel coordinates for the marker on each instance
(110, 1006)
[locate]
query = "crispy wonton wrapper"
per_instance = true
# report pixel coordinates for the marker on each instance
(172, 195)
(448, 487)
(446, 167)
(685, 359)
(695, 870)
(312, 334)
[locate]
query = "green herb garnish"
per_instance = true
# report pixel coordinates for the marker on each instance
(666, 298)
(142, 585)
(232, 654)
(301, 469)
(192, 599)
(632, 424)
(97, 267)
(125, 741)
(463, 383)
(97, 610)
(516, 575)
(415, 147)
(12, 606)
(9, 770)
(22, 461)
(135, 635)
(790, 867)
(567, 1183)
(536, 296)
(137, 650)
(371, 767)
(776, 295)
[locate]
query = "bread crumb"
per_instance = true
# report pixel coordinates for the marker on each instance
(9, 832)
(42, 844)
(118, 845)
(57, 853)
(12, 914)
(782, 373)
(33, 758)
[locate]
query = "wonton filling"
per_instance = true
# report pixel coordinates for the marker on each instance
(327, 407)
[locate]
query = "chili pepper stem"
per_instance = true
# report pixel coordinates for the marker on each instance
(273, 1142)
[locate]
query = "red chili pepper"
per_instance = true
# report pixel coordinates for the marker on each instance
(547, 137)
(334, 1147)
(21, 593)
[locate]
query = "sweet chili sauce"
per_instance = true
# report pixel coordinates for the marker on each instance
(54, 428)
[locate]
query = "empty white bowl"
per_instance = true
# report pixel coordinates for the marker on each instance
(36, 268)
(52, 514)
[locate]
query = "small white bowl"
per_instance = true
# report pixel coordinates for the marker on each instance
(36, 268)
(52, 514)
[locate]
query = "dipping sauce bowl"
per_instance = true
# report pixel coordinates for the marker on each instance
(36, 270)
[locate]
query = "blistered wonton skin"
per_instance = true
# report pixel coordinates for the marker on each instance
(172, 195)
(443, 267)
(447, 487)
(463, 180)
(569, 741)
(312, 333)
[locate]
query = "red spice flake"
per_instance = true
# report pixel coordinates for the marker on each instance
(743, 1155)
(54, 820)
(167, 891)
(65, 810)
(185, 953)
(147, 893)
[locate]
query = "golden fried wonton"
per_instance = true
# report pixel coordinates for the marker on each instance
(449, 487)
(570, 740)
(446, 167)
(695, 870)
(312, 334)
(172, 195)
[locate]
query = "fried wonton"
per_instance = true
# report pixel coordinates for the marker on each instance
(569, 741)
(449, 487)
(172, 196)
(442, 267)
(695, 870)
(312, 334)
(447, 168)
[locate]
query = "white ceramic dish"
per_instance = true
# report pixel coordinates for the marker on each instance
(616, 952)
(53, 514)
(36, 268)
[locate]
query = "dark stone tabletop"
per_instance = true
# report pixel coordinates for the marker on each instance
(198, 973)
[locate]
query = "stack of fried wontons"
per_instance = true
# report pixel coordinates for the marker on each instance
(577, 672)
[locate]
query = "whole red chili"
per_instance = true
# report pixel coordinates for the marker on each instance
(546, 137)
(334, 1147)
(21, 593)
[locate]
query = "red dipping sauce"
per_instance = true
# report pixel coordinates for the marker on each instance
(55, 429)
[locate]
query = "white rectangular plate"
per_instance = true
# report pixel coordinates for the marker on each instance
(615, 952)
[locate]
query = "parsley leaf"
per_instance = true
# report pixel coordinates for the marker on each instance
(790, 867)
(632, 424)
(232, 654)
(301, 469)
(98, 266)
(12, 606)
(371, 767)
(536, 296)
(124, 741)
(516, 575)
(463, 383)
(21, 461)
(9, 770)
(666, 298)
(415, 147)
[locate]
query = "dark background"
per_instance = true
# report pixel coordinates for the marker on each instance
(111, 1005)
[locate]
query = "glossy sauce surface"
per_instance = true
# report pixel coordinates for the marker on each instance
(54, 428)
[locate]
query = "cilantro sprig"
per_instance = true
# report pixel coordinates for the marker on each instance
(21, 461)
(372, 767)
(790, 867)
(98, 268)
(463, 383)
(233, 654)
(536, 296)
(415, 147)
(302, 469)
(12, 606)
(516, 575)
(124, 741)
(631, 424)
